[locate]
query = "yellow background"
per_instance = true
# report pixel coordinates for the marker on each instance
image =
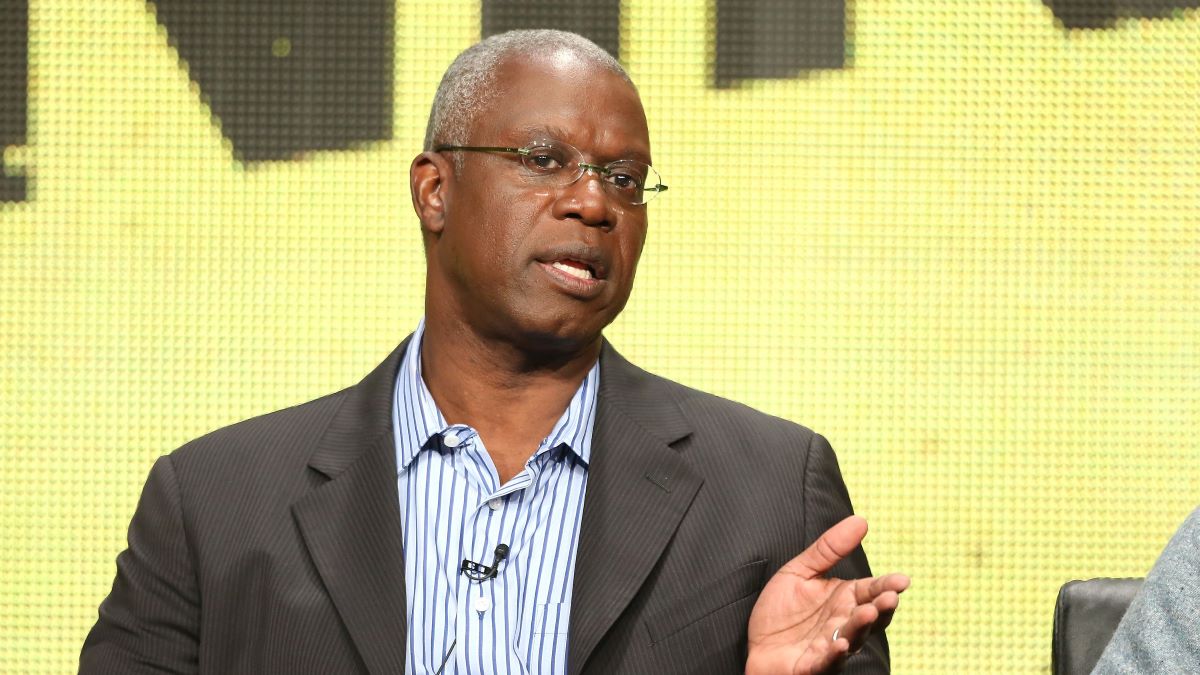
(971, 259)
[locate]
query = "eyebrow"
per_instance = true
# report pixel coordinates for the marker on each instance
(554, 133)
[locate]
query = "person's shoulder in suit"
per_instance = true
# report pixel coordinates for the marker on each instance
(261, 445)
(701, 405)
(724, 424)
(770, 488)
(279, 446)
(215, 528)
(760, 465)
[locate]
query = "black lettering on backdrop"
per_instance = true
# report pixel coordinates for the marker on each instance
(14, 88)
(755, 39)
(765, 39)
(597, 20)
(288, 76)
(285, 77)
(1104, 13)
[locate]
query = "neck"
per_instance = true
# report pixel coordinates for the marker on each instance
(510, 395)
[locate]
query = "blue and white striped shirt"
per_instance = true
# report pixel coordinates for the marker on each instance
(453, 507)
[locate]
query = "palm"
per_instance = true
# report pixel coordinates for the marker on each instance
(793, 623)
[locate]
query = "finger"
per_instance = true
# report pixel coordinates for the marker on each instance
(894, 582)
(858, 626)
(884, 620)
(870, 618)
(839, 661)
(886, 601)
(866, 590)
(861, 620)
(886, 604)
(832, 546)
(822, 655)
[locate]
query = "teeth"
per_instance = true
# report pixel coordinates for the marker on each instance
(578, 272)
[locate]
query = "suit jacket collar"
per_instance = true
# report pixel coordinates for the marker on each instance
(638, 490)
(364, 417)
(351, 523)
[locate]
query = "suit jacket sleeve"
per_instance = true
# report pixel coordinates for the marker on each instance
(826, 502)
(150, 620)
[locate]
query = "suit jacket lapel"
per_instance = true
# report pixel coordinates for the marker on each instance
(351, 523)
(638, 490)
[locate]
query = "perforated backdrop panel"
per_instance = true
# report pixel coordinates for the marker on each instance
(958, 238)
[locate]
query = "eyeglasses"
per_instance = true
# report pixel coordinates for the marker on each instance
(559, 164)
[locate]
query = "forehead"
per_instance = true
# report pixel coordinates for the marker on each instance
(561, 95)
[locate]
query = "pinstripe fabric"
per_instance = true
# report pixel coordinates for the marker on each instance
(453, 507)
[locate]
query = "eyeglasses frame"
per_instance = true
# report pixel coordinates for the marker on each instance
(601, 170)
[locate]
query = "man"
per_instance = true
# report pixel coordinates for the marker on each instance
(505, 493)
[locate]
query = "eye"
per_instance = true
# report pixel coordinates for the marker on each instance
(623, 181)
(545, 159)
(625, 177)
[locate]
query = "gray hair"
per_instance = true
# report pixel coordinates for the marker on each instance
(466, 88)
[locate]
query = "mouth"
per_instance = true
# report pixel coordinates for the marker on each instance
(578, 270)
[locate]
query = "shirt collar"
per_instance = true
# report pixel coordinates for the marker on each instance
(416, 418)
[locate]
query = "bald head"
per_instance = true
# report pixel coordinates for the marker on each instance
(468, 86)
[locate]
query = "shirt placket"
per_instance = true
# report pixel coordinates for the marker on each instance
(484, 632)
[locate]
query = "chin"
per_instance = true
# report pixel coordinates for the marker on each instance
(566, 337)
(559, 341)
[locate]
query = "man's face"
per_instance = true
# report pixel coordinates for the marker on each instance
(545, 269)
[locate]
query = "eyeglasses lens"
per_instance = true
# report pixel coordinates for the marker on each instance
(562, 164)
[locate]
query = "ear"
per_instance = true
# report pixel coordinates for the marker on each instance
(429, 180)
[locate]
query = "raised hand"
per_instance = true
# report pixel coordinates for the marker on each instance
(805, 623)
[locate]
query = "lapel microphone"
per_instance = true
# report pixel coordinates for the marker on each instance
(476, 572)
(480, 572)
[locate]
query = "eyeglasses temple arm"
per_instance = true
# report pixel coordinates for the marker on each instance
(477, 148)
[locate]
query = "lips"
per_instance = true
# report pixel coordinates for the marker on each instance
(577, 259)
(578, 269)
(574, 268)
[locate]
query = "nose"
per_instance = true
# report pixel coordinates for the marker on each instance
(585, 200)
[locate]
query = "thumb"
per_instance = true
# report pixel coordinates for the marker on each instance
(831, 547)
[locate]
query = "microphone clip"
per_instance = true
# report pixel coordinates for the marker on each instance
(480, 572)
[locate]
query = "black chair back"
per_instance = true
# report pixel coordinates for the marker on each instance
(1085, 618)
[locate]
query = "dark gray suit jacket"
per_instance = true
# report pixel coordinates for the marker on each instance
(274, 545)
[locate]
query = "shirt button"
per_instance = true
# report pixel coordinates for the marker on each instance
(495, 503)
(483, 604)
(451, 440)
